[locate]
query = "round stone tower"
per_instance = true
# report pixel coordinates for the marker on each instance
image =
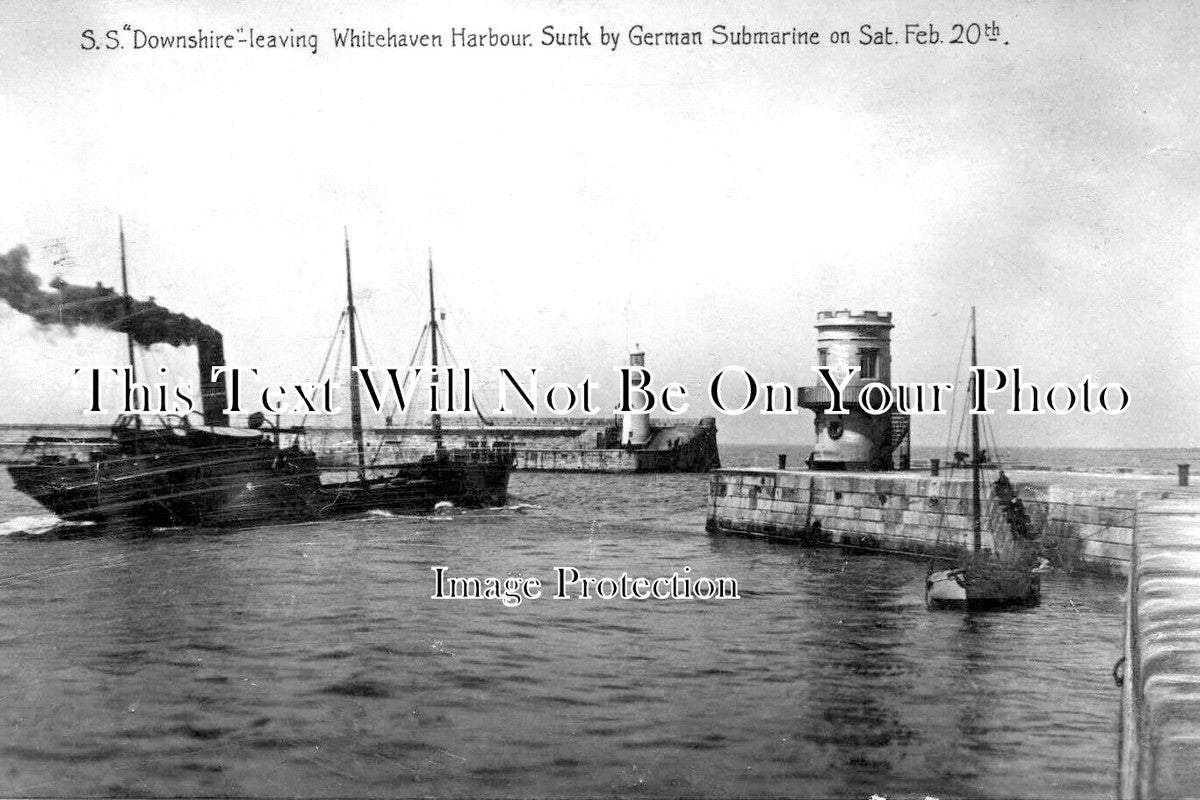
(855, 440)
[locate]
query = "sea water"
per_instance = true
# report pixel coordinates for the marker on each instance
(311, 660)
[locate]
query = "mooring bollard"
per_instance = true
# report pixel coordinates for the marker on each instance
(783, 460)
(934, 464)
(1183, 474)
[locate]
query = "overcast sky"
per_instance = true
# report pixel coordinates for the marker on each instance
(703, 202)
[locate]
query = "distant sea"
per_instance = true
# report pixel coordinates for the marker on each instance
(1078, 459)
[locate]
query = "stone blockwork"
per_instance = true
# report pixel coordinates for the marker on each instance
(1084, 528)
(1078, 527)
(577, 460)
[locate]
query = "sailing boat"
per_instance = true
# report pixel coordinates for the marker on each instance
(473, 477)
(983, 579)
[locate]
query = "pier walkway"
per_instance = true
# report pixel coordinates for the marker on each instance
(1160, 671)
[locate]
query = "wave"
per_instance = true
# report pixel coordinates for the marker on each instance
(520, 507)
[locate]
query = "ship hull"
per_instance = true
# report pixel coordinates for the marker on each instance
(219, 477)
(161, 490)
(421, 486)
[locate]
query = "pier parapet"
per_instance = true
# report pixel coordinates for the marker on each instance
(1160, 671)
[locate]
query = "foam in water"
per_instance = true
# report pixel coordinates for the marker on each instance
(33, 525)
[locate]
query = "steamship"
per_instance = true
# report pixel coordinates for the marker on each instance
(171, 473)
(177, 473)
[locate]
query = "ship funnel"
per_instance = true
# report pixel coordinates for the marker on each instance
(210, 351)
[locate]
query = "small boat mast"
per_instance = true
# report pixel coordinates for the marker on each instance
(976, 505)
(433, 358)
(355, 410)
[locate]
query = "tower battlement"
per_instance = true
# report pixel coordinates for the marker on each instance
(846, 316)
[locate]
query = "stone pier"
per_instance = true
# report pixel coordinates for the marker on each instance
(1083, 521)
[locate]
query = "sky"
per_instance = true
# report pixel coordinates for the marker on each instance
(702, 203)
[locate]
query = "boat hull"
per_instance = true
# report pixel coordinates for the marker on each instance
(982, 589)
(465, 482)
(197, 477)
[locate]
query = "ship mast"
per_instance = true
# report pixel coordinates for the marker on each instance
(433, 357)
(976, 512)
(355, 411)
(137, 418)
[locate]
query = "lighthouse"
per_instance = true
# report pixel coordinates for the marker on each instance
(635, 425)
(855, 440)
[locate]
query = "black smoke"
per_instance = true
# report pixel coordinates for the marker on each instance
(96, 306)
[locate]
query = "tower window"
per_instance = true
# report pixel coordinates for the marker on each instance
(870, 364)
(823, 357)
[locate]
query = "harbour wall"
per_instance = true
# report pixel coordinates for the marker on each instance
(1082, 522)
(1159, 673)
(605, 460)
(557, 445)
(567, 434)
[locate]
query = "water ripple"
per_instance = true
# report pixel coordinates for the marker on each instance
(311, 661)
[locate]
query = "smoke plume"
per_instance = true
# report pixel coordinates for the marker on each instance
(96, 306)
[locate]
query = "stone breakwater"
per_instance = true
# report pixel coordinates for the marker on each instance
(1082, 521)
(550, 445)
